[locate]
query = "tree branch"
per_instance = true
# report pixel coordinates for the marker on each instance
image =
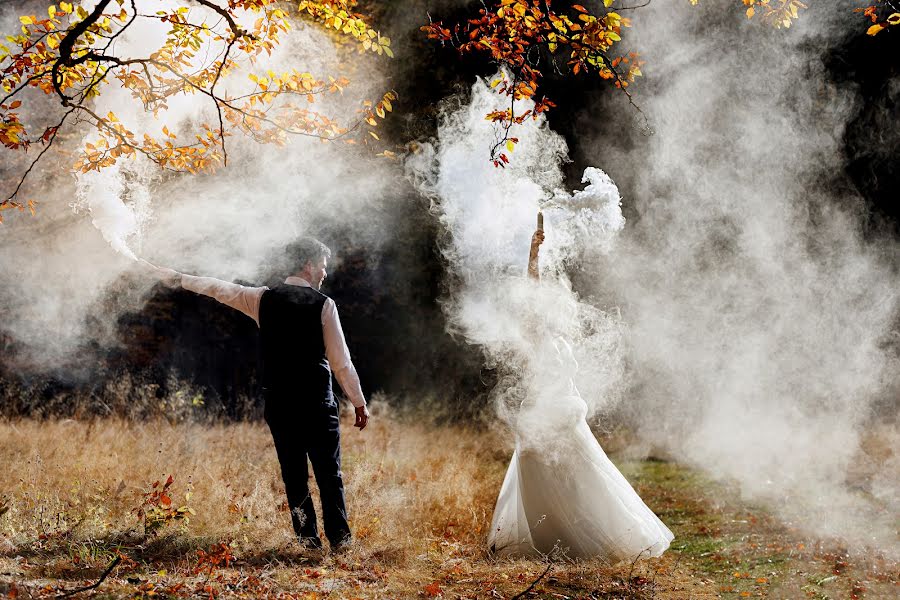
(67, 46)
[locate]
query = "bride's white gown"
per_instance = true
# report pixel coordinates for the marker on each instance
(562, 491)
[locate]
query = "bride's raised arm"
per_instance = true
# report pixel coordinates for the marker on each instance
(537, 239)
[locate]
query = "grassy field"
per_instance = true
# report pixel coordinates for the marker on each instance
(78, 507)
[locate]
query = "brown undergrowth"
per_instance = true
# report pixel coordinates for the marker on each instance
(89, 502)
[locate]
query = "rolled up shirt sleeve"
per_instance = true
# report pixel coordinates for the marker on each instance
(240, 297)
(339, 355)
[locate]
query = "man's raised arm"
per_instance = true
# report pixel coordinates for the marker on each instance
(238, 297)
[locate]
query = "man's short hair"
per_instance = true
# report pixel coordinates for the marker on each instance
(307, 250)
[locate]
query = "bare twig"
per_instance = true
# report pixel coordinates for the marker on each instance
(533, 583)
(235, 28)
(95, 585)
(38, 157)
(635, 7)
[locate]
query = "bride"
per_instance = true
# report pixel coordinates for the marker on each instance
(571, 500)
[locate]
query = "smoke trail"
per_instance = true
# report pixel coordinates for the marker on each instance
(537, 336)
(102, 193)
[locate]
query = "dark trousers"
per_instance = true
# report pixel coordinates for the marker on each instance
(310, 432)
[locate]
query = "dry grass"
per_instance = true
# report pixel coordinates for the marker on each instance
(420, 498)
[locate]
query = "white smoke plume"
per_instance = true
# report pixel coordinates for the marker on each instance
(541, 337)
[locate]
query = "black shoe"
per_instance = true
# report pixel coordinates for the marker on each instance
(342, 547)
(310, 543)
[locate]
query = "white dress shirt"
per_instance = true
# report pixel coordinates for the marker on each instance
(246, 299)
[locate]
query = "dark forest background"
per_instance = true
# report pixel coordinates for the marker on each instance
(182, 343)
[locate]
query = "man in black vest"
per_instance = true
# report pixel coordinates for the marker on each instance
(302, 344)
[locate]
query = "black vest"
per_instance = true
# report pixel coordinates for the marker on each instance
(293, 346)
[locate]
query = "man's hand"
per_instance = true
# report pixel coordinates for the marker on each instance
(169, 278)
(537, 239)
(362, 417)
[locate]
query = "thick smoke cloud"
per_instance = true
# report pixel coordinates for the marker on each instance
(541, 337)
(757, 314)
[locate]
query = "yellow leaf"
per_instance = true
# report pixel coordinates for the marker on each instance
(894, 19)
(874, 29)
(750, 12)
(26, 20)
(510, 145)
(51, 11)
(65, 7)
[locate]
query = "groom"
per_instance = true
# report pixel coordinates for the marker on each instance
(302, 344)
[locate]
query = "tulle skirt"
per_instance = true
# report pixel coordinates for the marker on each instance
(575, 499)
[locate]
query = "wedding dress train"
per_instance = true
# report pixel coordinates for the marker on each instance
(562, 491)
